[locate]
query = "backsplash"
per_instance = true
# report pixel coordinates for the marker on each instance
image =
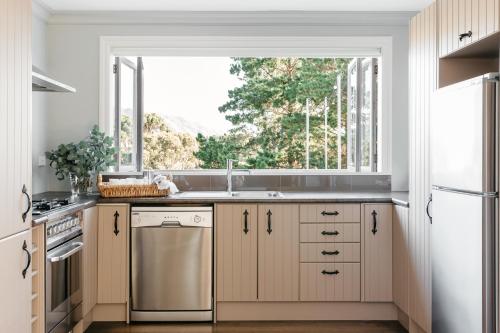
(283, 183)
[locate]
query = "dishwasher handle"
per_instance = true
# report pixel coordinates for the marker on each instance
(171, 224)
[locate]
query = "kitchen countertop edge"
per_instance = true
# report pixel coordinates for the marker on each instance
(397, 198)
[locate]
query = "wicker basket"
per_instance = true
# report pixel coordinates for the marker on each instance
(129, 191)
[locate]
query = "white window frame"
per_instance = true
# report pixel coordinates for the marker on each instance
(331, 46)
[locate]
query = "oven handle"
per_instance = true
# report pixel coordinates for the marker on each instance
(77, 248)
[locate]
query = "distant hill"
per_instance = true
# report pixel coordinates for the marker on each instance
(183, 125)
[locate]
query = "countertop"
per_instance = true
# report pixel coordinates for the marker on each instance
(85, 201)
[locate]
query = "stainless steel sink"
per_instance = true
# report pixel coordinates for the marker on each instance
(225, 194)
(257, 194)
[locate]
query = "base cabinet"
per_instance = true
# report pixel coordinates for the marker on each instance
(15, 283)
(112, 266)
(90, 227)
(278, 253)
(236, 251)
(377, 263)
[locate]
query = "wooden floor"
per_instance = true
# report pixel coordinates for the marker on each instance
(252, 327)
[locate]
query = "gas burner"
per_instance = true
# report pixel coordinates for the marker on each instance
(43, 206)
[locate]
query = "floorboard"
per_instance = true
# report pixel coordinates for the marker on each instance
(253, 327)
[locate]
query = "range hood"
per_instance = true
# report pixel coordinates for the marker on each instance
(41, 82)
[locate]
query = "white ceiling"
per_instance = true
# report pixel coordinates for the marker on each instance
(235, 5)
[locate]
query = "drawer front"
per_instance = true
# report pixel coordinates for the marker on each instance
(330, 252)
(330, 282)
(330, 232)
(324, 213)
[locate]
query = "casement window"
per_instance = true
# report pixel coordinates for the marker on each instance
(192, 112)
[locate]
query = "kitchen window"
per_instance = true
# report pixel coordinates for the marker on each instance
(276, 105)
(193, 113)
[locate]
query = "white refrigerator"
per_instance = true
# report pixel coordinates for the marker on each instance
(464, 178)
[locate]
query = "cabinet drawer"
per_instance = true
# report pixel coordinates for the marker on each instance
(330, 282)
(330, 252)
(323, 213)
(330, 232)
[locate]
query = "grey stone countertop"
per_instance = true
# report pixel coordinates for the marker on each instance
(85, 201)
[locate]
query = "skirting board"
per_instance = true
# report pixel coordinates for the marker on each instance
(248, 311)
(109, 312)
(403, 319)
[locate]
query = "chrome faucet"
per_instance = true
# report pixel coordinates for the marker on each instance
(229, 175)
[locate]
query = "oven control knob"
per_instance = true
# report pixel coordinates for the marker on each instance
(49, 231)
(197, 219)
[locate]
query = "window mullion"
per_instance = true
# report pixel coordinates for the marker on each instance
(374, 113)
(359, 101)
(117, 71)
(140, 114)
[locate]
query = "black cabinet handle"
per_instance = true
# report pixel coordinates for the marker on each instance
(374, 229)
(25, 192)
(116, 231)
(330, 253)
(25, 249)
(329, 233)
(335, 272)
(269, 226)
(245, 224)
(427, 208)
(325, 213)
(465, 34)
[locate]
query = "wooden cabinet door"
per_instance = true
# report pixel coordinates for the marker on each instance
(278, 252)
(236, 242)
(15, 302)
(90, 226)
(400, 257)
(112, 267)
(422, 82)
(377, 241)
(474, 19)
(15, 115)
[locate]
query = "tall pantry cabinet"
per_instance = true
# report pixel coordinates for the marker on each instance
(423, 61)
(15, 165)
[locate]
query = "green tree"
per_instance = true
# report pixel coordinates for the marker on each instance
(166, 149)
(270, 105)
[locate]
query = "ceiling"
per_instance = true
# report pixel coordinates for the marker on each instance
(235, 5)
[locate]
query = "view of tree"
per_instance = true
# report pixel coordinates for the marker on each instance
(268, 112)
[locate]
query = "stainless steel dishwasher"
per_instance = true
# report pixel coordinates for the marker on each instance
(171, 264)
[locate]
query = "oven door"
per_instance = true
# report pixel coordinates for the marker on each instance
(63, 285)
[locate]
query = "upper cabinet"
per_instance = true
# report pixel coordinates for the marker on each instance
(15, 115)
(464, 22)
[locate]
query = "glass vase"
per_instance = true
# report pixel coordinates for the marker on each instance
(75, 186)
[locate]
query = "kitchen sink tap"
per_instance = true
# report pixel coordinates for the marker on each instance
(229, 175)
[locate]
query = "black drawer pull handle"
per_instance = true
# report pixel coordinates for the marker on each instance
(374, 229)
(245, 225)
(116, 231)
(25, 249)
(465, 34)
(329, 233)
(335, 272)
(330, 253)
(269, 226)
(325, 213)
(25, 192)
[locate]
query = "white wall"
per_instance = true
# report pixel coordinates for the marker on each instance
(73, 42)
(40, 100)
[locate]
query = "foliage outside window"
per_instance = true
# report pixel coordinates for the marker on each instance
(282, 113)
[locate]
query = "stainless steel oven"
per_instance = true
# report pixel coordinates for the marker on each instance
(63, 274)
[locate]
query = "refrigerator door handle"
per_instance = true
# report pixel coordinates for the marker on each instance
(427, 208)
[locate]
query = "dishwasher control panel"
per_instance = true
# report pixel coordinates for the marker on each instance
(172, 217)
